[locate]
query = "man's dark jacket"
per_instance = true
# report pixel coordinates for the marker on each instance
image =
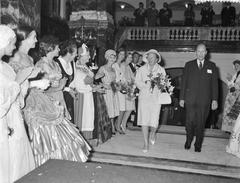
(199, 87)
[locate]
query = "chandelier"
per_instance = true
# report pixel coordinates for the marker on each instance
(84, 35)
(221, 1)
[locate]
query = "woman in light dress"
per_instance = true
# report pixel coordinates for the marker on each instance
(128, 103)
(108, 76)
(149, 107)
(52, 135)
(16, 158)
(83, 83)
(233, 146)
(232, 101)
(121, 97)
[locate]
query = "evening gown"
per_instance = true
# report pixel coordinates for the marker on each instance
(52, 135)
(16, 157)
(56, 90)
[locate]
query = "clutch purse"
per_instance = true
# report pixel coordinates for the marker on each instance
(164, 98)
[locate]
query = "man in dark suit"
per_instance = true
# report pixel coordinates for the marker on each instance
(133, 64)
(199, 93)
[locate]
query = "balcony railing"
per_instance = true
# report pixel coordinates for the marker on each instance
(213, 35)
(184, 33)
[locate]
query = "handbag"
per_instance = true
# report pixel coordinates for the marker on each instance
(164, 98)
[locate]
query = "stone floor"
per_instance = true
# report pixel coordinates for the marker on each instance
(168, 152)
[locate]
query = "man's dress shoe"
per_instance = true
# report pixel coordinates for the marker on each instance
(187, 146)
(197, 149)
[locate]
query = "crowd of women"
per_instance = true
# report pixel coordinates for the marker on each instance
(54, 107)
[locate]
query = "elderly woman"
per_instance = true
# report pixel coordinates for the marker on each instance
(232, 101)
(16, 158)
(83, 83)
(52, 135)
(149, 108)
(108, 76)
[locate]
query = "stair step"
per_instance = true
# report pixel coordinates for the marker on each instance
(167, 164)
(180, 130)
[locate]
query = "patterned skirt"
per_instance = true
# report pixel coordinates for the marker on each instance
(102, 124)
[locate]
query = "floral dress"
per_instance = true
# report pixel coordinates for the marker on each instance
(232, 104)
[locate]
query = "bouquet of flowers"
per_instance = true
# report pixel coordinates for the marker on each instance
(163, 83)
(129, 89)
(114, 86)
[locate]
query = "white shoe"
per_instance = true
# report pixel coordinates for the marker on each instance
(152, 142)
(145, 149)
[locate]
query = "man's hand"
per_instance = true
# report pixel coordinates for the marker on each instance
(181, 103)
(214, 105)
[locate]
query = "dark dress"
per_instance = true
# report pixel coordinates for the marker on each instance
(67, 96)
(102, 124)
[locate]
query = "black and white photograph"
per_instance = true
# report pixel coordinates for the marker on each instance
(119, 91)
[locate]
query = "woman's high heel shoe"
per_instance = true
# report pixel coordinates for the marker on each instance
(145, 149)
(152, 142)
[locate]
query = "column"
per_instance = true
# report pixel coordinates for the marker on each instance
(63, 8)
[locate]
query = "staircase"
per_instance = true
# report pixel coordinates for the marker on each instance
(168, 153)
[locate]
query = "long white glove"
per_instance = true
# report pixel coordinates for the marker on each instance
(41, 84)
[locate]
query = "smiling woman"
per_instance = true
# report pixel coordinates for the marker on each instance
(16, 158)
(149, 107)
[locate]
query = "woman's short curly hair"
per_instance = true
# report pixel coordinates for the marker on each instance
(47, 44)
(67, 46)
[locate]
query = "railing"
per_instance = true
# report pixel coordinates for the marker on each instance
(183, 33)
